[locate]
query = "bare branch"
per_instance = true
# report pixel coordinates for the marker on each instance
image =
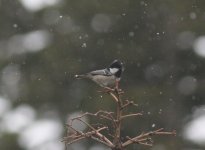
(114, 97)
(128, 103)
(130, 115)
(94, 114)
(114, 141)
(102, 137)
(138, 139)
(146, 144)
(80, 135)
(145, 141)
(105, 143)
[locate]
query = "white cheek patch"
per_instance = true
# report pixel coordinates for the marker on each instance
(114, 70)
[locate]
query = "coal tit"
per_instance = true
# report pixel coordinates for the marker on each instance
(108, 77)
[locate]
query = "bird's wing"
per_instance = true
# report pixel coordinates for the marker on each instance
(104, 72)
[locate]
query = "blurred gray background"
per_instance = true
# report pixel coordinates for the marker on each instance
(44, 43)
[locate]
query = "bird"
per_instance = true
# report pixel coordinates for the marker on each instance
(108, 77)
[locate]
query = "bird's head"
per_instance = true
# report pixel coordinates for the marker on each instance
(116, 68)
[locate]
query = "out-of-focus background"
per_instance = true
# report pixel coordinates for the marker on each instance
(44, 43)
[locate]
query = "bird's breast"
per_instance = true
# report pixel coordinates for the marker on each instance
(104, 81)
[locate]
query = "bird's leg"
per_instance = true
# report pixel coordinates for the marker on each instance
(117, 87)
(117, 84)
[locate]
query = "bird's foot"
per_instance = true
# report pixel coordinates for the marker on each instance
(119, 91)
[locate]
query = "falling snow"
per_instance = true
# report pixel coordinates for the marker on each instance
(15, 25)
(84, 45)
(153, 125)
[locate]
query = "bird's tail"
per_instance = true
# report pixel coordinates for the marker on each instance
(80, 76)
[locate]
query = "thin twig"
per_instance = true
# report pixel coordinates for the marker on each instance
(114, 97)
(128, 103)
(81, 135)
(100, 141)
(130, 115)
(96, 132)
(94, 114)
(146, 135)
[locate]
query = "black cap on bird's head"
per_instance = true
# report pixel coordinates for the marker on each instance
(116, 67)
(116, 64)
